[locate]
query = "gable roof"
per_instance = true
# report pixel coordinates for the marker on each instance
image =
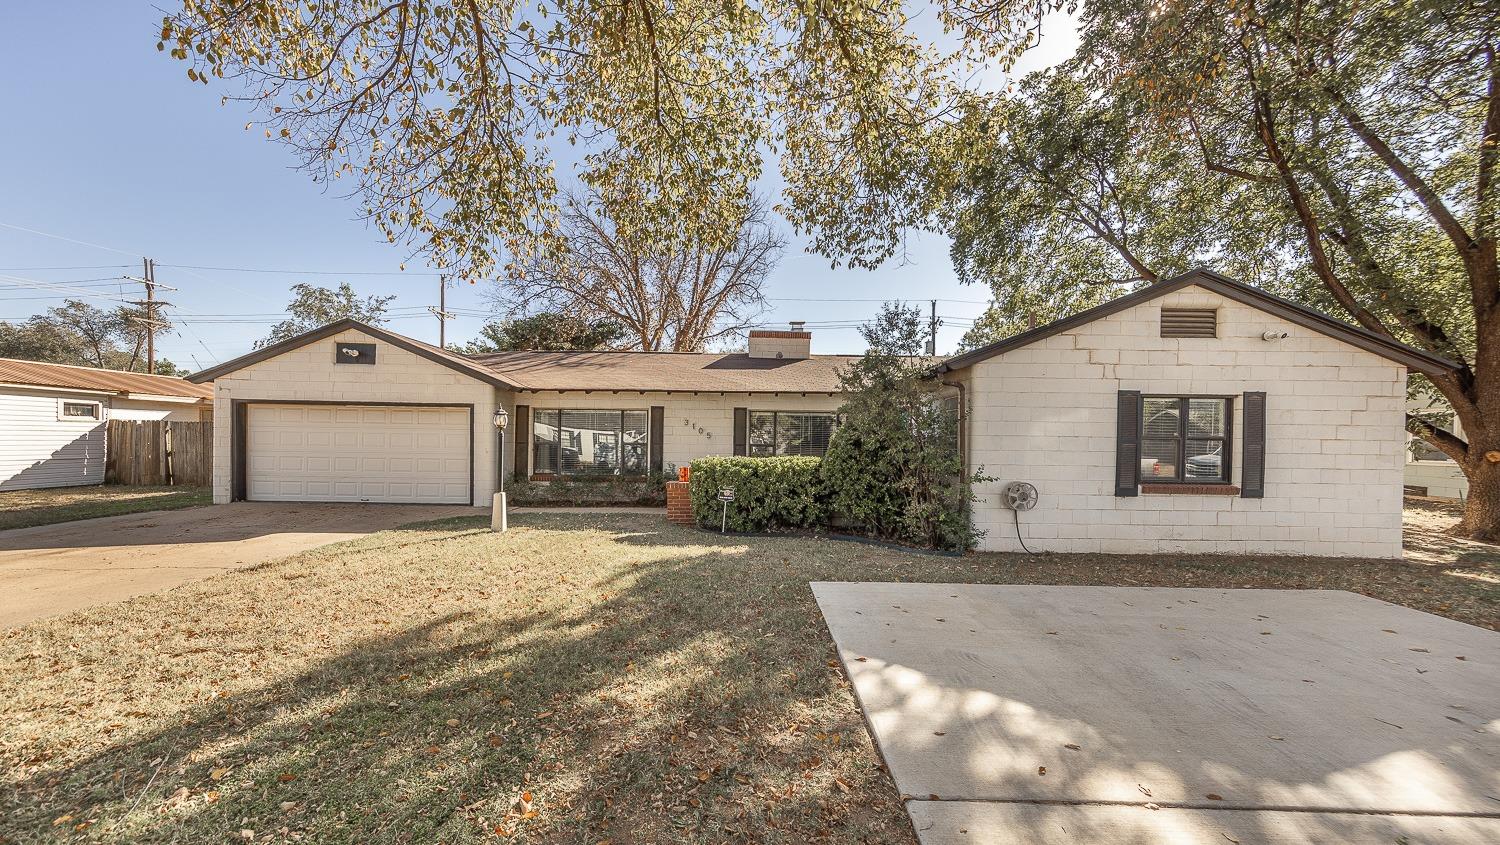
(1414, 359)
(451, 360)
(116, 382)
(696, 372)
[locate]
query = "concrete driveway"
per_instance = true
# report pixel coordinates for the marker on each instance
(1023, 714)
(55, 569)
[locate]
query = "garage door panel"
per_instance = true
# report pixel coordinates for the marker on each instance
(353, 454)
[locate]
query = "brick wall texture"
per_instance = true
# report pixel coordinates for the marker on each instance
(1335, 439)
(679, 503)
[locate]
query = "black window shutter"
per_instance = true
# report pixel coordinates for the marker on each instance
(522, 432)
(1253, 471)
(658, 432)
(1128, 443)
(741, 427)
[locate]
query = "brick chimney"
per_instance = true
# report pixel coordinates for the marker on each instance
(794, 345)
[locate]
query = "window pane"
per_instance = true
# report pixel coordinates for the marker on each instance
(762, 433)
(590, 442)
(544, 442)
(1205, 460)
(634, 438)
(1158, 459)
(1205, 418)
(803, 434)
(80, 409)
(1160, 417)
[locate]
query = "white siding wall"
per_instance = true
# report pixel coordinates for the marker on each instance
(39, 450)
(1335, 441)
(694, 426)
(1443, 479)
(309, 374)
(142, 409)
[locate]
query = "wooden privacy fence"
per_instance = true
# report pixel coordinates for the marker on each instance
(158, 453)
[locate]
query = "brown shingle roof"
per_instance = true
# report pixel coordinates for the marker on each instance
(709, 372)
(36, 373)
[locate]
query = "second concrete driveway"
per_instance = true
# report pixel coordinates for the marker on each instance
(56, 569)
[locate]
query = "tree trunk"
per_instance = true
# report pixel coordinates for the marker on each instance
(1481, 520)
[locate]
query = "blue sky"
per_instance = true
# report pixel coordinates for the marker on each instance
(109, 149)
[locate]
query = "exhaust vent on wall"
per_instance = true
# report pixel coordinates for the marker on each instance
(1189, 322)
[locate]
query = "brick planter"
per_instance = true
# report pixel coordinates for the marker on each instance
(679, 503)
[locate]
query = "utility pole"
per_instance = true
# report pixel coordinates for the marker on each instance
(932, 327)
(441, 312)
(150, 303)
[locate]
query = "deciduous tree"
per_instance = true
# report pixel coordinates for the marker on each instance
(313, 306)
(547, 331)
(672, 294)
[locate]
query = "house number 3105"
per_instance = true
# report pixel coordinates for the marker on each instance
(707, 435)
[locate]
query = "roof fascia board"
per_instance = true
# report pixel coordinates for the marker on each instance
(55, 388)
(1412, 358)
(474, 371)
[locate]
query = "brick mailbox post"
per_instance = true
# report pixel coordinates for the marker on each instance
(679, 503)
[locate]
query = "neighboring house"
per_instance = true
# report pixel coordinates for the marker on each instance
(1430, 472)
(1195, 415)
(53, 416)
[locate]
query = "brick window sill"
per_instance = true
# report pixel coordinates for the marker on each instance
(1190, 489)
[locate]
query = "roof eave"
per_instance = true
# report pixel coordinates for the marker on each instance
(1414, 359)
(472, 369)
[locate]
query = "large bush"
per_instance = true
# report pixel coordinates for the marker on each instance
(769, 493)
(894, 468)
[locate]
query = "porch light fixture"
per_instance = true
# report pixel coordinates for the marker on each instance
(501, 419)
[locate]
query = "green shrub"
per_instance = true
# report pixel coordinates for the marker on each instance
(769, 493)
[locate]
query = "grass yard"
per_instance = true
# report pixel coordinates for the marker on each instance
(25, 508)
(585, 678)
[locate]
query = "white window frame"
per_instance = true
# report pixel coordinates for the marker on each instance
(63, 403)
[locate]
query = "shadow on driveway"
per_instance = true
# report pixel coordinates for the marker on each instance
(54, 569)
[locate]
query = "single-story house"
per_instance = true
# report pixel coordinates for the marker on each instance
(53, 418)
(1198, 414)
(1429, 471)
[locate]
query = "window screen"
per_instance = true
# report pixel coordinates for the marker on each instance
(589, 443)
(1184, 438)
(790, 432)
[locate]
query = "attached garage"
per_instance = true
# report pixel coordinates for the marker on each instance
(358, 453)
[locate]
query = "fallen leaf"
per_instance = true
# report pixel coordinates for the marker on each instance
(843, 787)
(1041, 771)
(217, 774)
(286, 777)
(1230, 838)
(1144, 791)
(1420, 650)
(1151, 806)
(939, 733)
(1214, 796)
(1072, 746)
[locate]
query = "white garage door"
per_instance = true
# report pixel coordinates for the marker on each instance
(347, 453)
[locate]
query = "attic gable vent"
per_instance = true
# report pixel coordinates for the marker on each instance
(1189, 322)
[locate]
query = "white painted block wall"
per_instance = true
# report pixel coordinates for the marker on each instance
(1335, 440)
(309, 374)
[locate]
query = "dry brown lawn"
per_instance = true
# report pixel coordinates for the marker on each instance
(584, 678)
(25, 508)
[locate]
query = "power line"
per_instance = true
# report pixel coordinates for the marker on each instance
(304, 272)
(75, 267)
(64, 238)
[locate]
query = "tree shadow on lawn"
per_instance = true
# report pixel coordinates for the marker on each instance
(643, 684)
(687, 702)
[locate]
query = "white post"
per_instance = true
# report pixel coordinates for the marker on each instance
(497, 514)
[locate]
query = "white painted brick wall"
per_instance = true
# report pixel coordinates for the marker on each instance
(1335, 441)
